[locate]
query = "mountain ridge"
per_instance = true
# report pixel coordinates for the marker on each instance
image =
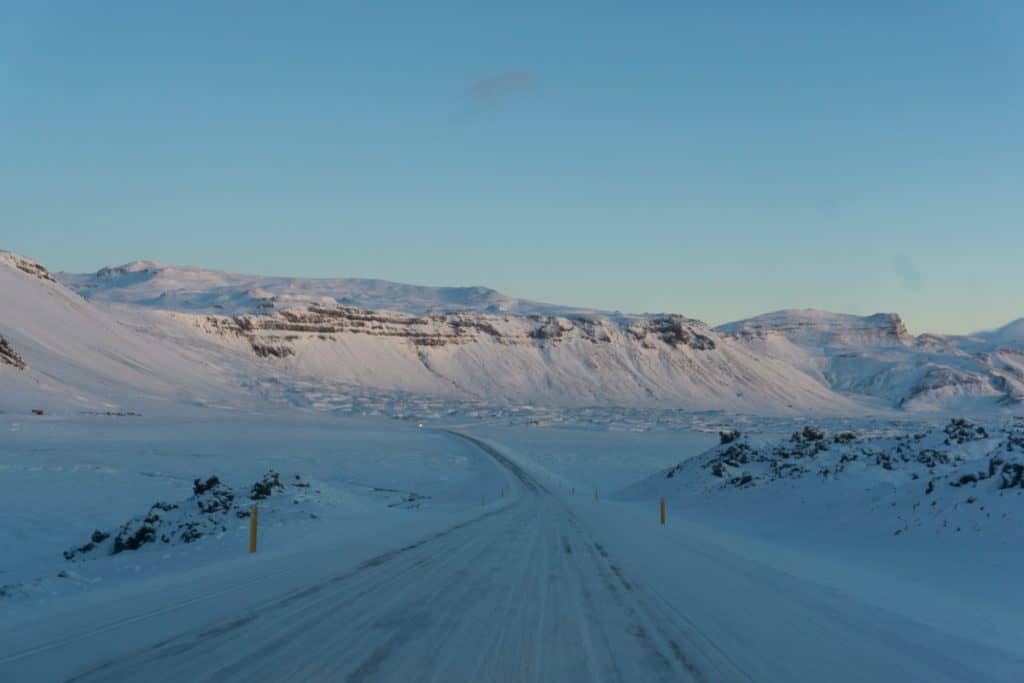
(1010, 334)
(201, 290)
(478, 344)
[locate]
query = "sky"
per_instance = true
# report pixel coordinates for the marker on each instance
(718, 160)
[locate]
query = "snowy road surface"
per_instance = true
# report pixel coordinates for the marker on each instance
(521, 593)
(526, 591)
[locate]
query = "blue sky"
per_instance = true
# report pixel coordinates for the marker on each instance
(713, 159)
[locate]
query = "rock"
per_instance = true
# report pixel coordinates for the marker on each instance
(728, 437)
(962, 431)
(263, 489)
(8, 356)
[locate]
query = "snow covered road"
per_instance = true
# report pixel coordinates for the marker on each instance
(520, 593)
(539, 586)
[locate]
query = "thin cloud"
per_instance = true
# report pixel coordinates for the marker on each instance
(492, 90)
(904, 267)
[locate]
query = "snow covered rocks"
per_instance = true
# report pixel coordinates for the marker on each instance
(25, 265)
(961, 431)
(8, 356)
(962, 476)
(207, 512)
(264, 488)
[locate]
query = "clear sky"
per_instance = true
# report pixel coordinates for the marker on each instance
(717, 159)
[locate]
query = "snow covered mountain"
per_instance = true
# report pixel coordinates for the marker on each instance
(289, 330)
(194, 336)
(197, 290)
(464, 343)
(58, 351)
(1010, 335)
(874, 356)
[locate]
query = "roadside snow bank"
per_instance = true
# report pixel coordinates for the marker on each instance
(90, 501)
(964, 478)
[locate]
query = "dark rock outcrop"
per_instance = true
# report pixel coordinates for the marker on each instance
(8, 356)
(270, 335)
(29, 267)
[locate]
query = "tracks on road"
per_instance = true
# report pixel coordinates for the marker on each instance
(522, 592)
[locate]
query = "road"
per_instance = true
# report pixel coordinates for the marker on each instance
(522, 592)
(537, 587)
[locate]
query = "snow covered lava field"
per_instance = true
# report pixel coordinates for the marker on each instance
(844, 502)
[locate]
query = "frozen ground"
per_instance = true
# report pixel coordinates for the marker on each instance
(871, 538)
(64, 478)
(390, 566)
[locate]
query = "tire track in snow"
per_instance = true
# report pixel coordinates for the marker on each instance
(520, 593)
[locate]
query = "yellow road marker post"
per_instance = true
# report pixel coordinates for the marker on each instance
(254, 522)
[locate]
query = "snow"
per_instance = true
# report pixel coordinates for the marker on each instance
(199, 290)
(873, 357)
(151, 333)
(772, 567)
(98, 472)
(81, 358)
(486, 508)
(786, 580)
(131, 356)
(1010, 335)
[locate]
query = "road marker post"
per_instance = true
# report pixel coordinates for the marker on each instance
(595, 495)
(254, 521)
(662, 512)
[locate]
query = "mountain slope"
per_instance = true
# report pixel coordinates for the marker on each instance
(75, 356)
(1010, 335)
(192, 336)
(198, 290)
(133, 332)
(875, 356)
(669, 361)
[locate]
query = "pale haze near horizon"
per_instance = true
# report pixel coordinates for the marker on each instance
(716, 163)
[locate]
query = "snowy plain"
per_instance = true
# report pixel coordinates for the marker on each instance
(748, 586)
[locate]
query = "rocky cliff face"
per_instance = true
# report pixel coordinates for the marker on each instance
(274, 334)
(25, 265)
(573, 359)
(823, 329)
(876, 356)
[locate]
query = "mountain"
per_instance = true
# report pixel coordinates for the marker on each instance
(164, 335)
(669, 361)
(810, 327)
(197, 290)
(1010, 335)
(58, 351)
(464, 343)
(122, 331)
(875, 356)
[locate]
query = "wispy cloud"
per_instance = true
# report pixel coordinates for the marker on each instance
(904, 267)
(492, 90)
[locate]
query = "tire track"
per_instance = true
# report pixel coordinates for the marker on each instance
(522, 592)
